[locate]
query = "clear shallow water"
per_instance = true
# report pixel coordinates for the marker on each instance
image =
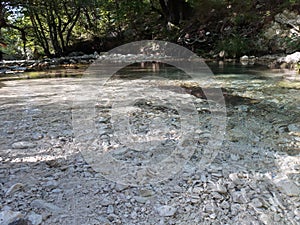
(249, 81)
(233, 77)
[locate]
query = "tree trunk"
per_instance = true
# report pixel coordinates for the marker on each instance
(175, 10)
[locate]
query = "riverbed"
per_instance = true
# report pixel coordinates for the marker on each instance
(239, 162)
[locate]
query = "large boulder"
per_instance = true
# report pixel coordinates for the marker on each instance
(291, 58)
(283, 33)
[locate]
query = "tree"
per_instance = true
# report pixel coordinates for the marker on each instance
(175, 10)
(7, 8)
(53, 22)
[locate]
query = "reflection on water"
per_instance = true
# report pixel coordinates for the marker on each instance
(244, 72)
(139, 70)
(60, 72)
(232, 68)
(228, 75)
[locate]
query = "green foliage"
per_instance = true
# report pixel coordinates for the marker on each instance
(55, 25)
(297, 67)
(14, 45)
(292, 43)
(234, 46)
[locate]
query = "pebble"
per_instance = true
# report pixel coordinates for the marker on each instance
(195, 199)
(294, 127)
(7, 217)
(225, 205)
(141, 199)
(266, 219)
(166, 211)
(234, 157)
(209, 208)
(37, 136)
(146, 193)
(52, 184)
(235, 179)
(239, 197)
(23, 145)
(220, 188)
(41, 204)
(110, 209)
(121, 187)
(288, 187)
(133, 215)
(256, 203)
(35, 219)
(14, 188)
(203, 178)
(106, 202)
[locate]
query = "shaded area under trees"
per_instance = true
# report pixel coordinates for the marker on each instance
(33, 28)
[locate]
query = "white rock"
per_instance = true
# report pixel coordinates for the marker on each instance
(209, 208)
(225, 205)
(195, 198)
(220, 188)
(166, 210)
(133, 215)
(256, 203)
(294, 127)
(23, 145)
(234, 157)
(235, 179)
(35, 219)
(51, 184)
(288, 187)
(106, 202)
(121, 187)
(239, 197)
(244, 58)
(141, 199)
(8, 216)
(203, 178)
(266, 219)
(110, 209)
(293, 58)
(216, 195)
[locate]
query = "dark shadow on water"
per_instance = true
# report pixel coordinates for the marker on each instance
(236, 68)
(140, 70)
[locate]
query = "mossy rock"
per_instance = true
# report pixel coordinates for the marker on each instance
(295, 84)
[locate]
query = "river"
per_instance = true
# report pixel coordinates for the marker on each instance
(51, 122)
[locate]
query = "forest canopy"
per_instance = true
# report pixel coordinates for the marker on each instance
(36, 28)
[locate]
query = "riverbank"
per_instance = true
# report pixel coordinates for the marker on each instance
(9, 68)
